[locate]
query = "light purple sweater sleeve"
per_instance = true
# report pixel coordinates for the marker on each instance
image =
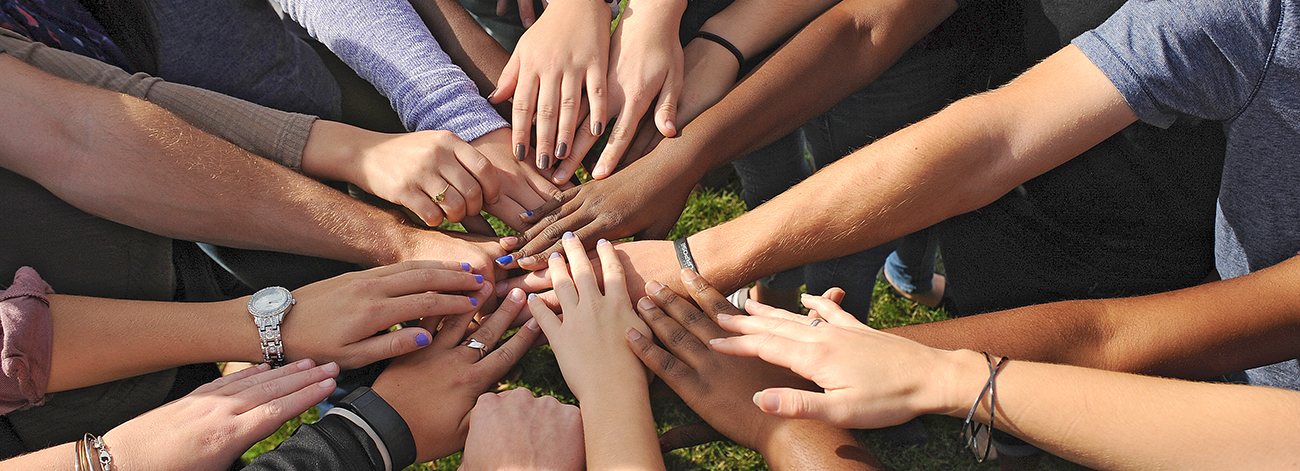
(386, 43)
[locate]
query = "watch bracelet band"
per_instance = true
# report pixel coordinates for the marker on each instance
(272, 345)
(684, 257)
(386, 422)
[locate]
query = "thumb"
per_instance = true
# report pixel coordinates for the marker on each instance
(392, 344)
(666, 112)
(793, 404)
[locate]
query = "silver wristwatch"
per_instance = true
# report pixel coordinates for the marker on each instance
(268, 307)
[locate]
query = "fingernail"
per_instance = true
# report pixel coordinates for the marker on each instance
(478, 278)
(562, 150)
(511, 241)
(501, 288)
(715, 341)
(494, 91)
(263, 366)
(555, 255)
(543, 161)
(464, 266)
(600, 172)
(330, 367)
(559, 177)
(771, 402)
(653, 287)
(528, 213)
(670, 125)
(327, 383)
(689, 275)
(723, 317)
(473, 302)
(520, 151)
(645, 303)
(568, 235)
(304, 364)
(516, 295)
(532, 296)
(597, 128)
(422, 340)
(601, 242)
(531, 324)
(633, 334)
(503, 261)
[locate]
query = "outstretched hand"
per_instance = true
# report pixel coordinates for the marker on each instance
(514, 430)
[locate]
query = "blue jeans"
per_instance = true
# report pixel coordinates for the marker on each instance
(920, 83)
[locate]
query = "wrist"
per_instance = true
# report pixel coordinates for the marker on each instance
(332, 151)
(967, 373)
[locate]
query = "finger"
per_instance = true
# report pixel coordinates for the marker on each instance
(545, 317)
(463, 197)
(230, 378)
(502, 7)
(584, 278)
(233, 387)
(645, 139)
(530, 282)
(547, 115)
(755, 308)
(797, 329)
(485, 174)
(620, 137)
(779, 351)
(496, 324)
(835, 294)
(570, 113)
(521, 114)
(388, 345)
(710, 300)
(562, 281)
(797, 404)
(505, 356)
(545, 240)
(686, 314)
(417, 280)
(689, 435)
(611, 268)
(289, 379)
(526, 14)
(303, 393)
(507, 81)
(676, 338)
(666, 112)
(451, 332)
(597, 100)
(552, 204)
(422, 204)
(674, 372)
(476, 224)
(830, 311)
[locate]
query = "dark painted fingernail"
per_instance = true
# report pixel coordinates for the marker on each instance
(520, 150)
(568, 235)
(528, 213)
(543, 161)
(597, 128)
(422, 340)
(464, 266)
(555, 255)
(478, 278)
(562, 150)
(473, 302)
(503, 261)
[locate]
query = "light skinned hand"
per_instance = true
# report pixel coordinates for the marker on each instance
(522, 187)
(513, 430)
(565, 53)
(871, 379)
(640, 261)
(212, 426)
(434, 388)
(710, 72)
(336, 319)
(589, 342)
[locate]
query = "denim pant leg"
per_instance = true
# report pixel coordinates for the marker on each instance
(911, 266)
(919, 84)
(768, 172)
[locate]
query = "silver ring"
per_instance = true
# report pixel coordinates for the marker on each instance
(477, 345)
(442, 195)
(815, 322)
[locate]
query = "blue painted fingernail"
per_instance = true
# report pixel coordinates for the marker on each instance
(568, 235)
(473, 302)
(555, 255)
(528, 213)
(422, 340)
(478, 278)
(601, 242)
(464, 266)
(503, 261)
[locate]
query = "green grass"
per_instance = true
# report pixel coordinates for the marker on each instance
(707, 208)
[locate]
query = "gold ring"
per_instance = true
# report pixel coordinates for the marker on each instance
(442, 195)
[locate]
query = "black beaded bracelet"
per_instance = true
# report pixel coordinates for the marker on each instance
(735, 51)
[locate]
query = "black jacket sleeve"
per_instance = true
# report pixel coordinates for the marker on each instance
(332, 444)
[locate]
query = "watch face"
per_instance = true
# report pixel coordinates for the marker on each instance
(269, 301)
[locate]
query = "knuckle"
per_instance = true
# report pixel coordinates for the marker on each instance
(679, 337)
(546, 112)
(693, 316)
(722, 305)
(274, 408)
(667, 297)
(670, 366)
(522, 107)
(570, 103)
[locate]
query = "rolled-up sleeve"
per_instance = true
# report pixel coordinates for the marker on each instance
(26, 342)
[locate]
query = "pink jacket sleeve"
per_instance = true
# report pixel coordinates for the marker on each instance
(26, 342)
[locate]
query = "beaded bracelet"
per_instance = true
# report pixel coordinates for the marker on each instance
(971, 430)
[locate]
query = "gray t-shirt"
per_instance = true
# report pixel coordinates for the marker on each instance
(1232, 61)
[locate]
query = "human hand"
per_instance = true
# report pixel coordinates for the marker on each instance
(710, 72)
(641, 261)
(522, 187)
(336, 319)
(434, 388)
(712, 384)
(565, 52)
(588, 343)
(514, 430)
(210, 427)
(477, 250)
(643, 200)
(871, 379)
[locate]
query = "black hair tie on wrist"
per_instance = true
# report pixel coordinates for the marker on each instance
(740, 58)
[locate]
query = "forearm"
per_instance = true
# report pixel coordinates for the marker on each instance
(466, 42)
(754, 26)
(619, 427)
(956, 161)
(1193, 333)
(1144, 422)
(809, 444)
(58, 457)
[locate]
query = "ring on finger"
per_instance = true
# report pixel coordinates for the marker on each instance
(815, 322)
(477, 345)
(442, 195)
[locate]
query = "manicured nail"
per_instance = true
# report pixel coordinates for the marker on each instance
(327, 383)
(464, 266)
(330, 367)
(501, 288)
(562, 150)
(601, 242)
(473, 302)
(645, 303)
(503, 261)
(304, 364)
(555, 255)
(568, 235)
(516, 295)
(511, 241)
(723, 317)
(520, 151)
(422, 340)
(532, 296)
(543, 161)
(531, 324)
(771, 402)
(633, 334)
(597, 128)
(263, 366)
(478, 278)
(653, 287)
(528, 214)
(689, 275)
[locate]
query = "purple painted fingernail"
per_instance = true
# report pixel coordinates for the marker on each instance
(464, 266)
(532, 296)
(568, 235)
(521, 152)
(601, 242)
(422, 340)
(562, 150)
(555, 255)
(478, 278)
(503, 261)
(473, 302)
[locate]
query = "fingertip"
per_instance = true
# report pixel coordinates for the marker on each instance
(633, 334)
(330, 368)
(422, 339)
(531, 324)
